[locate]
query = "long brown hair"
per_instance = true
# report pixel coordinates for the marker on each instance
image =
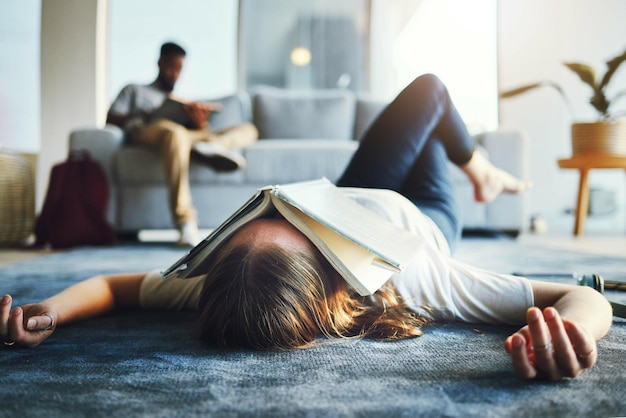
(272, 298)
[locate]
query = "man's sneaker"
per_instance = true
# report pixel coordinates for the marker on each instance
(219, 158)
(189, 234)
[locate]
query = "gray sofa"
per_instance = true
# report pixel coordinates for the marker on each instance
(302, 136)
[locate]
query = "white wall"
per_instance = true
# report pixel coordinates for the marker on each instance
(535, 37)
(72, 76)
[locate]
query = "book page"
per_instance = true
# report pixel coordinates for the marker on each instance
(324, 202)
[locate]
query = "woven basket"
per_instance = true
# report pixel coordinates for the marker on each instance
(601, 137)
(17, 199)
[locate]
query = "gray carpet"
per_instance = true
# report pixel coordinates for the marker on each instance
(148, 364)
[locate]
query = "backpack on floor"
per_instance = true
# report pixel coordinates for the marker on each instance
(74, 210)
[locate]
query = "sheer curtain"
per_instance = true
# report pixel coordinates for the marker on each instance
(457, 41)
(304, 44)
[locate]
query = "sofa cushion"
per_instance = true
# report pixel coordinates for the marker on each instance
(320, 114)
(235, 109)
(284, 160)
(136, 165)
(367, 110)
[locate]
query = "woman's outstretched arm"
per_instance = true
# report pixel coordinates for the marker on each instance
(560, 338)
(31, 324)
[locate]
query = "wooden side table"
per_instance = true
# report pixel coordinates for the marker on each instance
(585, 163)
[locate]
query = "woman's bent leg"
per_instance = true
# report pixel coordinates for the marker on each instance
(429, 186)
(394, 141)
(408, 147)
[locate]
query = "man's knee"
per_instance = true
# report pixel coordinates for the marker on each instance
(250, 130)
(239, 136)
(172, 134)
(166, 125)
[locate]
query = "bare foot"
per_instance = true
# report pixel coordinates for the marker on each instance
(489, 181)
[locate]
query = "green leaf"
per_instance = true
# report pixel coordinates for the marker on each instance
(546, 83)
(599, 102)
(523, 89)
(612, 66)
(520, 90)
(585, 72)
(588, 76)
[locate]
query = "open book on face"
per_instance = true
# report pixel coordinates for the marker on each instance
(362, 247)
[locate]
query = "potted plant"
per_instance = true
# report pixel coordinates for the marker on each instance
(607, 135)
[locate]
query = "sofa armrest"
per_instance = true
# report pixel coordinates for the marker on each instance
(508, 150)
(101, 143)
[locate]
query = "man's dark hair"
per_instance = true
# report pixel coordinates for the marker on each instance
(170, 48)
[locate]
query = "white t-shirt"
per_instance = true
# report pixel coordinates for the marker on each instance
(433, 284)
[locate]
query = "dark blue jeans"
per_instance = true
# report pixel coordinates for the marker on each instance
(407, 148)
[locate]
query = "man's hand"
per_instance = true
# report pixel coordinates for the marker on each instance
(199, 112)
(550, 347)
(28, 325)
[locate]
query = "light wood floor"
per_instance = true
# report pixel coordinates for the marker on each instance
(607, 244)
(13, 255)
(613, 244)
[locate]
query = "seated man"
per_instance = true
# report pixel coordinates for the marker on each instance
(134, 110)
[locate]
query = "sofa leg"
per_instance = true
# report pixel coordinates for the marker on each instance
(490, 233)
(513, 233)
(128, 236)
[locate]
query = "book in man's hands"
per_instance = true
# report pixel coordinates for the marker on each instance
(362, 247)
(174, 109)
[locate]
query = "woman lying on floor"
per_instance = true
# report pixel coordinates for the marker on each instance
(269, 288)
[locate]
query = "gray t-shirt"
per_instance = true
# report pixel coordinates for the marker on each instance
(433, 284)
(137, 98)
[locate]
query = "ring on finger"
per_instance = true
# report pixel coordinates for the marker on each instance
(49, 327)
(543, 348)
(584, 356)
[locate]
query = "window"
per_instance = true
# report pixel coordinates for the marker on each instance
(20, 125)
(303, 44)
(206, 29)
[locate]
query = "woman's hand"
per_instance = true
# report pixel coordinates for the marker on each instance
(551, 347)
(28, 325)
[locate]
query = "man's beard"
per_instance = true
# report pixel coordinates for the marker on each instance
(165, 85)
